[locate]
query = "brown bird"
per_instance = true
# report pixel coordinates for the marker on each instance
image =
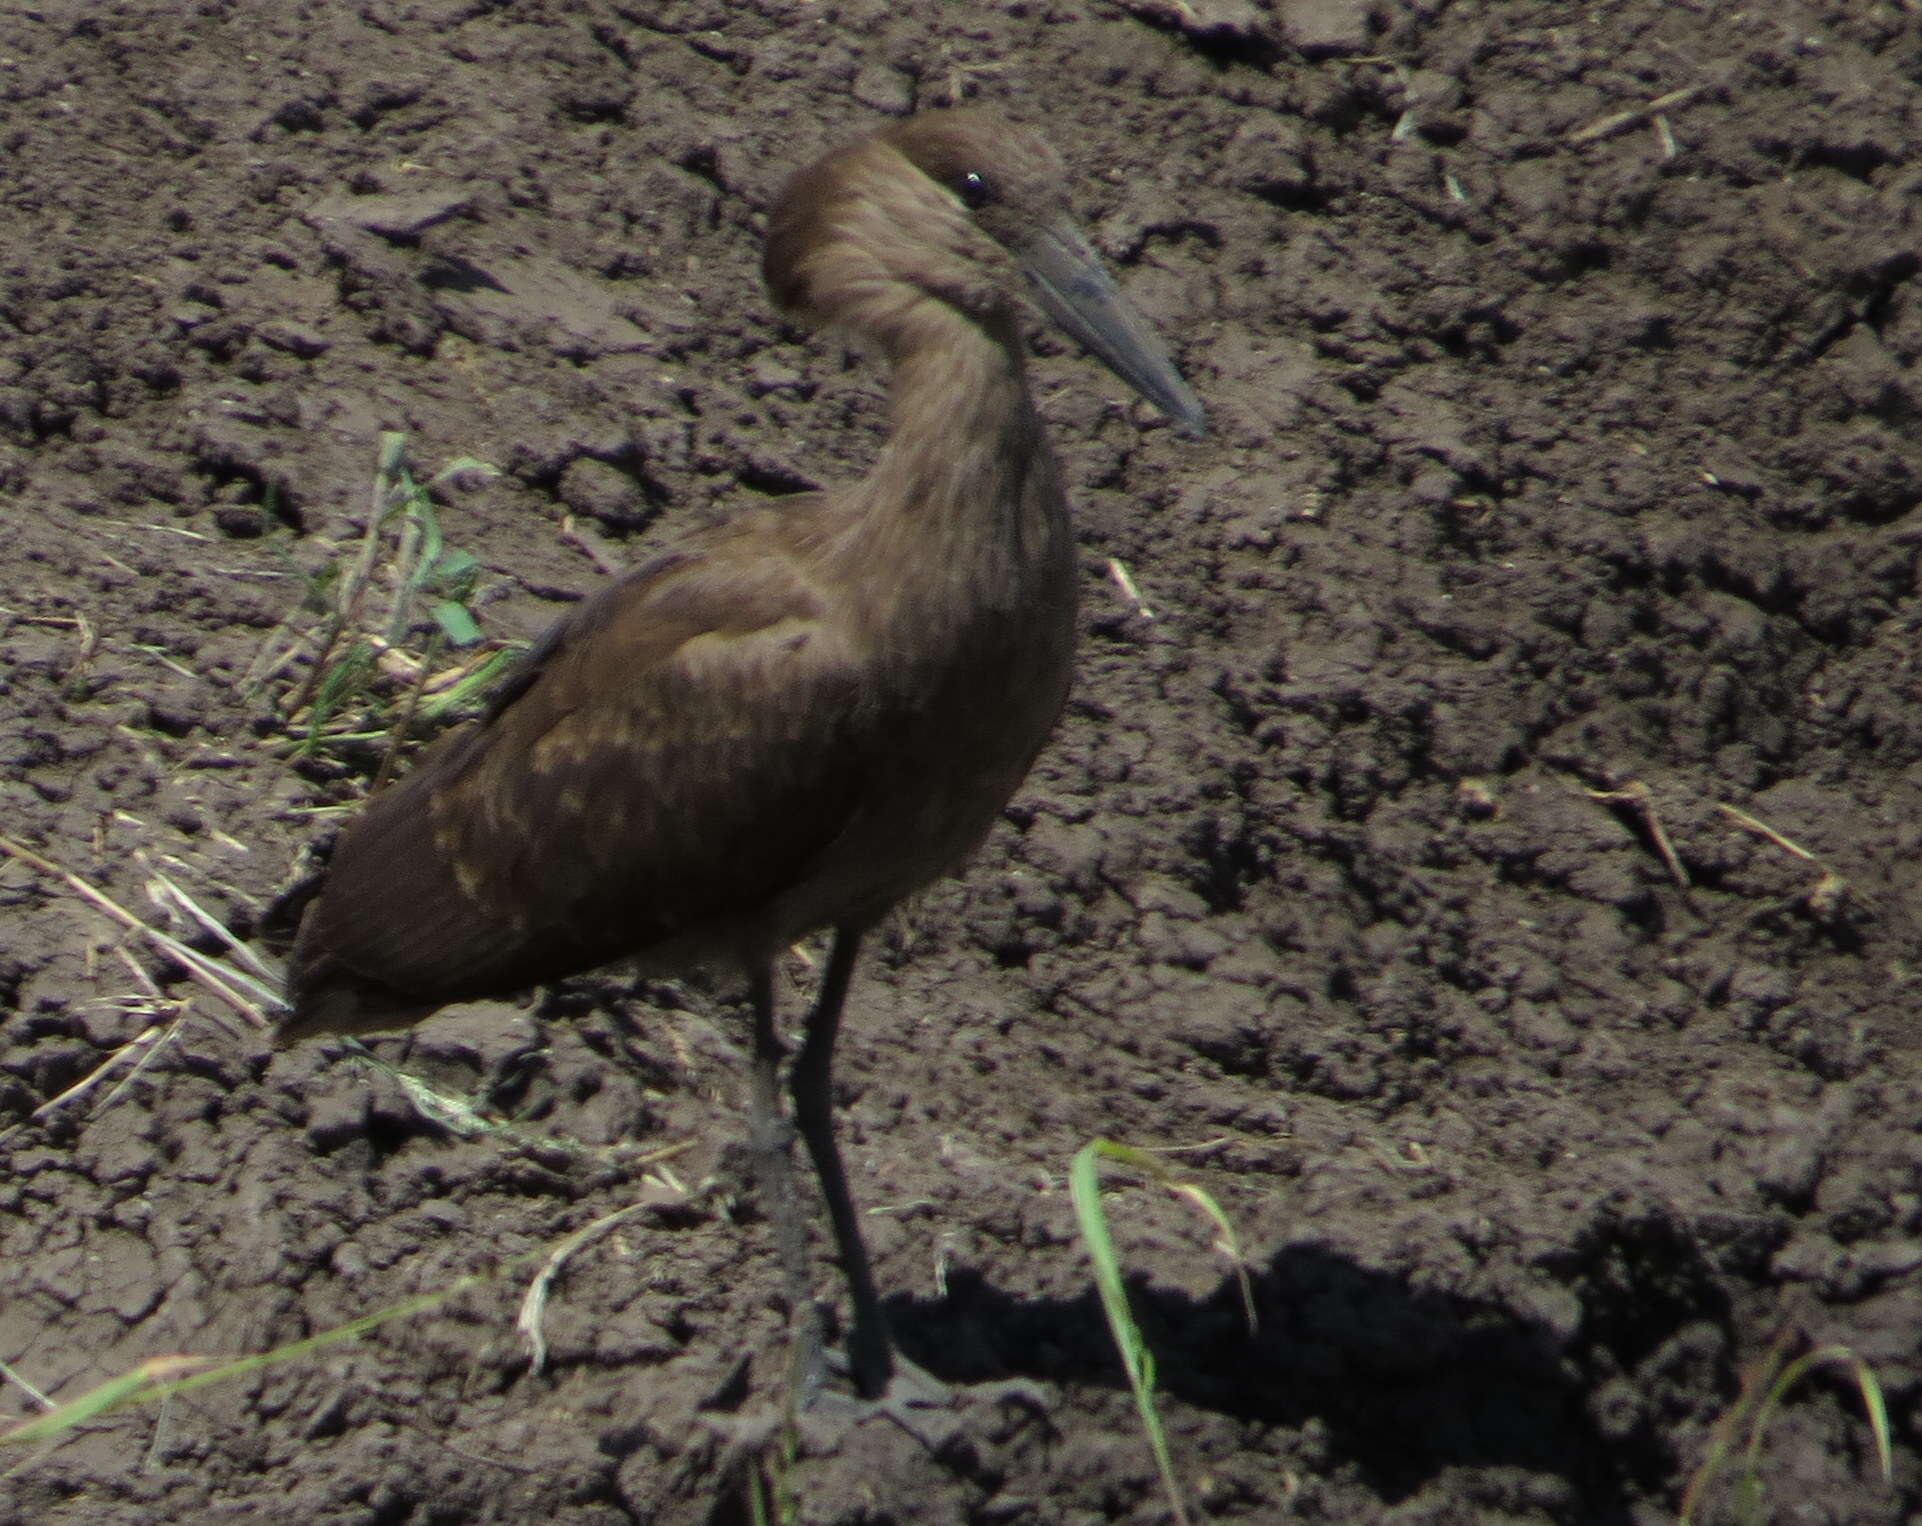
(794, 720)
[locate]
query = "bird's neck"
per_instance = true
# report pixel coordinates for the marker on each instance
(967, 487)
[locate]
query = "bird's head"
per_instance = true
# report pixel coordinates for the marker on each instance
(971, 209)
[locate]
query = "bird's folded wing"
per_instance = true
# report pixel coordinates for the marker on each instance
(671, 756)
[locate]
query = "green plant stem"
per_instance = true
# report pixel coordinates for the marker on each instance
(1084, 1188)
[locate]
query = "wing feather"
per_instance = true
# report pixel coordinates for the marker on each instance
(669, 758)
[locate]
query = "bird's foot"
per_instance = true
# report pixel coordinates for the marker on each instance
(816, 1419)
(930, 1411)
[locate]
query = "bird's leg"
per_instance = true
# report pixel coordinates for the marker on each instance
(887, 1383)
(870, 1346)
(770, 1135)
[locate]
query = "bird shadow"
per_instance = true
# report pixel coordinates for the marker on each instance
(1402, 1383)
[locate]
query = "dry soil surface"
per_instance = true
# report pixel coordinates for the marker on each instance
(1489, 848)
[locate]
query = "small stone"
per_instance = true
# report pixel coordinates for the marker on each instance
(1809, 1256)
(1790, 1169)
(243, 521)
(603, 492)
(1326, 28)
(1761, 987)
(294, 338)
(882, 89)
(335, 1120)
(1203, 18)
(1269, 157)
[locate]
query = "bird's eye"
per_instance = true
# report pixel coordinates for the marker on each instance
(974, 189)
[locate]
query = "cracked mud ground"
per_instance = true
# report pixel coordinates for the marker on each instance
(1562, 496)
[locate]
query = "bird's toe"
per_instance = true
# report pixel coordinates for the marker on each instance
(931, 1411)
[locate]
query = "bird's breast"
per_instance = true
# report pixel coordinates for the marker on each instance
(957, 710)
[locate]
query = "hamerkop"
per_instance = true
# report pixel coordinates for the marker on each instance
(796, 719)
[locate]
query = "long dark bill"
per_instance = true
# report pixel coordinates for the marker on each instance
(1074, 290)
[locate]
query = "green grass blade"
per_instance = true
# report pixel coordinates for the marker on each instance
(463, 464)
(1084, 1189)
(456, 623)
(344, 680)
(96, 1401)
(468, 689)
(1763, 1392)
(392, 448)
(1865, 1382)
(433, 545)
(1149, 1162)
(154, 1378)
(140, 1387)
(454, 566)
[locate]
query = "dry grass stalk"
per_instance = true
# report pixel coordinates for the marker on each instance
(1828, 893)
(660, 1189)
(1637, 794)
(237, 990)
(207, 920)
(1620, 121)
(1124, 580)
(87, 1083)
